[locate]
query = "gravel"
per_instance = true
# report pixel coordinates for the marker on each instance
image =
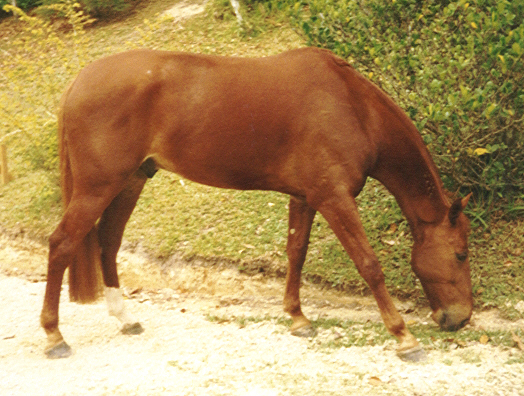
(182, 352)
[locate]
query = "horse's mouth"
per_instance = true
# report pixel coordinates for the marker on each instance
(444, 325)
(447, 322)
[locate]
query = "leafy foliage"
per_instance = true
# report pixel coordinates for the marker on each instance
(103, 8)
(97, 8)
(23, 4)
(23, 111)
(456, 67)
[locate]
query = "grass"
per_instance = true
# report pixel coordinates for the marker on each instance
(336, 333)
(174, 215)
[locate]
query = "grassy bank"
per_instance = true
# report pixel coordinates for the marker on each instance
(175, 216)
(348, 333)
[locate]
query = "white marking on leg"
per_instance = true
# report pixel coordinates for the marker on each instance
(116, 306)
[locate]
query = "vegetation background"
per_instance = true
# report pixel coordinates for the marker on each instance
(454, 66)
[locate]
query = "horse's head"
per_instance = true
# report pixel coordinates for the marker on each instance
(440, 260)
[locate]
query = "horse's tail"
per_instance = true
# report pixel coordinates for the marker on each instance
(85, 276)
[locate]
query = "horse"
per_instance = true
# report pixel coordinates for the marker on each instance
(303, 123)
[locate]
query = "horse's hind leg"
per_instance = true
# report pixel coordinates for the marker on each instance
(78, 220)
(301, 217)
(110, 231)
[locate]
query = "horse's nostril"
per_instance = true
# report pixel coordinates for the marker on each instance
(464, 323)
(443, 319)
(449, 325)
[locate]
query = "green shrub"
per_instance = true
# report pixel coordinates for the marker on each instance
(105, 8)
(22, 4)
(96, 8)
(456, 67)
(33, 73)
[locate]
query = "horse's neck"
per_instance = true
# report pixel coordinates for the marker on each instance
(405, 168)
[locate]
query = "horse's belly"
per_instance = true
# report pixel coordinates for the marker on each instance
(219, 172)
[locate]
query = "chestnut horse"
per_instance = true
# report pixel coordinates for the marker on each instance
(303, 123)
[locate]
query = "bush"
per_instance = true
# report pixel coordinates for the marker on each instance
(104, 8)
(96, 8)
(456, 67)
(22, 4)
(33, 77)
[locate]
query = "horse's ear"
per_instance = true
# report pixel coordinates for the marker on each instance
(457, 207)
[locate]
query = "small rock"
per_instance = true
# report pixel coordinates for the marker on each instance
(520, 306)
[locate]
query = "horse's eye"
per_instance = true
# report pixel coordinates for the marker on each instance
(461, 256)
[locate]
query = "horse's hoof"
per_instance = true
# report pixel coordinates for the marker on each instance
(59, 351)
(132, 329)
(305, 331)
(414, 355)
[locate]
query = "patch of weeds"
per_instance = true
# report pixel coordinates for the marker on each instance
(434, 338)
(176, 364)
(516, 359)
(497, 267)
(349, 333)
(243, 321)
(328, 323)
(218, 319)
(471, 357)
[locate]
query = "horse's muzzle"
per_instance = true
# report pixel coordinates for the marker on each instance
(452, 319)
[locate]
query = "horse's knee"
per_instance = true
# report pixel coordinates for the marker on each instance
(371, 271)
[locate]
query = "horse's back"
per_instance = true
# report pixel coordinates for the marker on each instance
(225, 121)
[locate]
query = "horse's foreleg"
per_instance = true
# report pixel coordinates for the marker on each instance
(301, 217)
(110, 232)
(342, 215)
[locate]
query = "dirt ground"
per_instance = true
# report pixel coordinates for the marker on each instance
(183, 352)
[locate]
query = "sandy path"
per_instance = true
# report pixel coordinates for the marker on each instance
(182, 352)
